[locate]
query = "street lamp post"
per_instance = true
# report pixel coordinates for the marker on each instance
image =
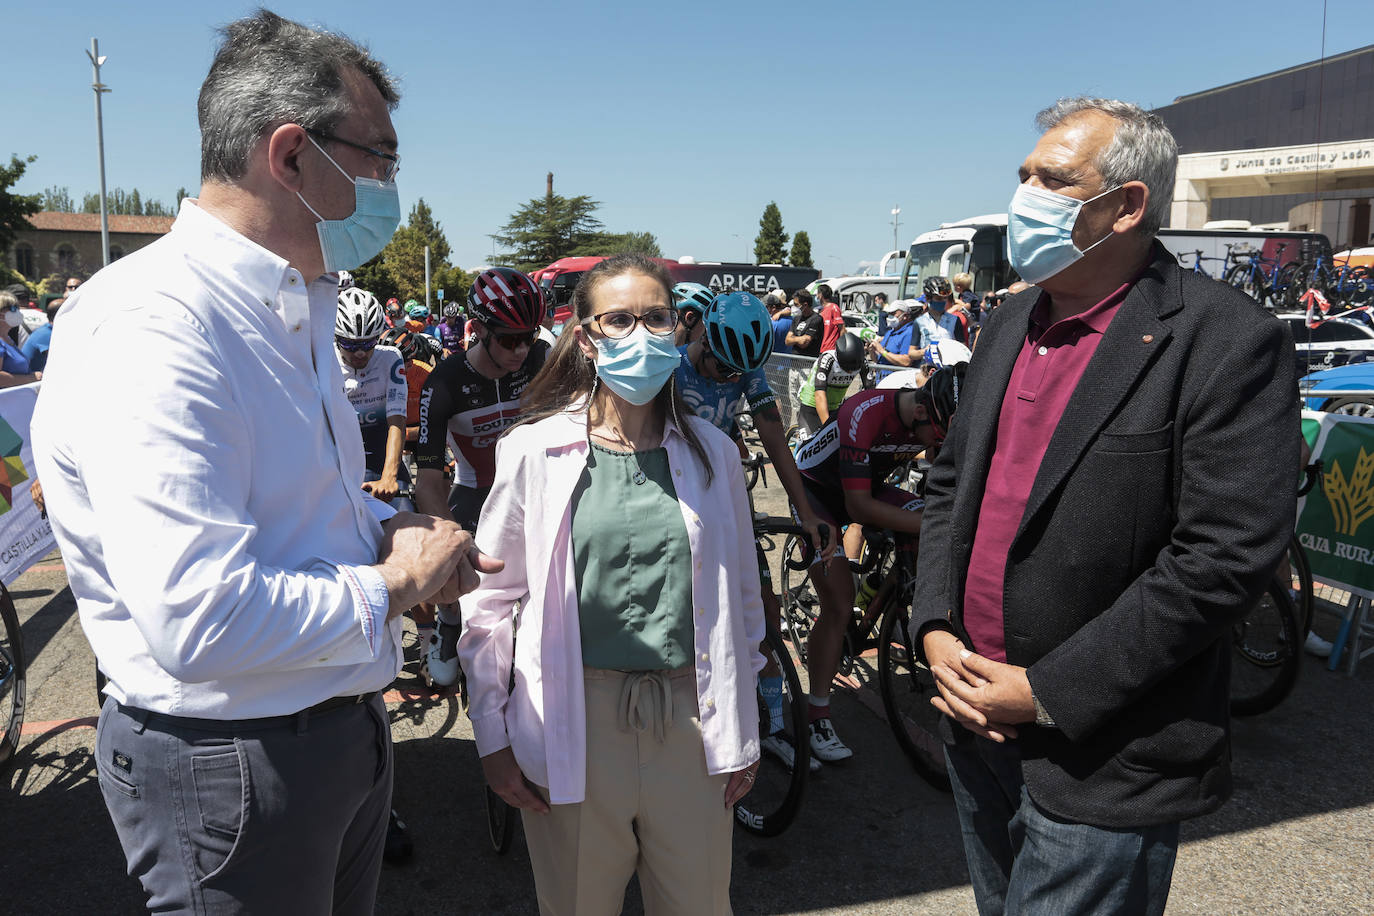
(896, 211)
(100, 88)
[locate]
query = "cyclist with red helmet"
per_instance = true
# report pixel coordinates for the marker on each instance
(844, 467)
(465, 405)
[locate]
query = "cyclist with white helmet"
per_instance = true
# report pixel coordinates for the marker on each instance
(828, 382)
(449, 332)
(345, 280)
(468, 401)
(720, 368)
(375, 383)
(691, 301)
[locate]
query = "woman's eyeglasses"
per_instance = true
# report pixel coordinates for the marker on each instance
(355, 346)
(619, 324)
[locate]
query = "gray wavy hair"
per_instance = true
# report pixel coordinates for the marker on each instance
(270, 71)
(1142, 149)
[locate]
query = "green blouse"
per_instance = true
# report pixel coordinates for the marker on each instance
(633, 562)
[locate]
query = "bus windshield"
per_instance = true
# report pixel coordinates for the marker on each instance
(932, 259)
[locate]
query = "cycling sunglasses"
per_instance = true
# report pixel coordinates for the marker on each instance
(724, 370)
(512, 342)
(355, 346)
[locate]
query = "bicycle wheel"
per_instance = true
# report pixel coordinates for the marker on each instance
(1300, 574)
(500, 822)
(800, 603)
(1288, 285)
(11, 678)
(907, 687)
(776, 796)
(1248, 280)
(1266, 653)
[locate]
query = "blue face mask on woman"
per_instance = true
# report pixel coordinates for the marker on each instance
(1040, 232)
(352, 242)
(637, 366)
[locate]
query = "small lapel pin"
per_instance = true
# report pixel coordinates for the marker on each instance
(1148, 338)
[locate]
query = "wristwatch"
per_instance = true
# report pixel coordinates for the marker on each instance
(1042, 717)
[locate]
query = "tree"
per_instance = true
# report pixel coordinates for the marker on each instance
(547, 228)
(58, 200)
(125, 203)
(399, 270)
(422, 218)
(15, 209)
(609, 243)
(801, 250)
(770, 245)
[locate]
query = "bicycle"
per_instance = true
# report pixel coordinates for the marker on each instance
(1197, 267)
(12, 678)
(1263, 278)
(904, 681)
(1267, 652)
(1345, 284)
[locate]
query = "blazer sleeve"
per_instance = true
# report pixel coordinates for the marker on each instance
(934, 599)
(487, 644)
(1235, 507)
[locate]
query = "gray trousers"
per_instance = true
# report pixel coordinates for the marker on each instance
(284, 815)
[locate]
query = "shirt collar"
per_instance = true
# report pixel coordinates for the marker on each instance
(576, 415)
(1097, 318)
(219, 249)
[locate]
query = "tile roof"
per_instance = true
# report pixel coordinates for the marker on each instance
(90, 222)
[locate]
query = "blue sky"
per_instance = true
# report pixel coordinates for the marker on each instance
(683, 120)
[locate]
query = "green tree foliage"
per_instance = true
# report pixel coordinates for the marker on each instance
(15, 209)
(124, 204)
(801, 250)
(58, 200)
(399, 271)
(770, 245)
(609, 243)
(547, 228)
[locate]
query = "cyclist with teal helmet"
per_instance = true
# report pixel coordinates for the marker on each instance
(721, 366)
(691, 300)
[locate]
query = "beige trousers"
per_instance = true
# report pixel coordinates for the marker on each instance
(650, 807)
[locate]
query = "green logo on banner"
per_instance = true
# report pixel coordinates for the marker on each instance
(1334, 524)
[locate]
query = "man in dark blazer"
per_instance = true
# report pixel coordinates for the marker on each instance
(1115, 491)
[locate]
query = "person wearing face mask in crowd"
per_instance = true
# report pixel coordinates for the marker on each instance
(896, 348)
(632, 728)
(14, 365)
(940, 320)
(465, 405)
(241, 591)
(1114, 496)
(780, 313)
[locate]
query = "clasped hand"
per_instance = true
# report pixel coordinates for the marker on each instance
(988, 698)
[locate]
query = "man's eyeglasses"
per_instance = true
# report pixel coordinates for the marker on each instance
(355, 346)
(71, 286)
(393, 161)
(513, 342)
(618, 324)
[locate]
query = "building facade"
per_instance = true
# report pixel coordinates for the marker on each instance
(68, 244)
(1292, 149)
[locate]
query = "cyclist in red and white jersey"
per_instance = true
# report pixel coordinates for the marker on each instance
(467, 402)
(844, 467)
(375, 383)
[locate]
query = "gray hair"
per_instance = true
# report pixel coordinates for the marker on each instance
(8, 301)
(1142, 149)
(271, 71)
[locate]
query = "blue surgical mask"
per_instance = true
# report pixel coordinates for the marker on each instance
(352, 242)
(636, 367)
(1040, 232)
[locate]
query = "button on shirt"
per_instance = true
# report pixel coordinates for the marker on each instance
(1046, 372)
(202, 469)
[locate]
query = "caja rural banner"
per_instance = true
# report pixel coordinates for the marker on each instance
(1336, 518)
(25, 536)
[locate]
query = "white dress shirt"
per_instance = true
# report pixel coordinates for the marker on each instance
(202, 470)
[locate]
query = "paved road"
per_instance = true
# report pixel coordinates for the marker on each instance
(871, 839)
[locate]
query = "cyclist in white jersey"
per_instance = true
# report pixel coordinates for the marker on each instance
(374, 381)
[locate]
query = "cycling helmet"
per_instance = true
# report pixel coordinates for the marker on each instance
(416, 310)
(944, 353)
(345, 280)
(359, 316)
(941, 396)
(504, 298)
(849, 352)
(692, 297)
(405, 341)
(937, 286)
(451, 311)
(393, 307)
(739, 331)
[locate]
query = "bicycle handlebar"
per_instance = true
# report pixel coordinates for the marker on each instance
(1311, 473)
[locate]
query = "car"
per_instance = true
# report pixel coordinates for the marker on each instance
(1336, 341)
(1352, 377)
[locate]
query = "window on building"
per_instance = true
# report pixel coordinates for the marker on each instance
(66, 259)
(23, 260)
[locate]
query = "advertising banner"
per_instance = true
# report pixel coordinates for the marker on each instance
(1336, 519)
(25, 536)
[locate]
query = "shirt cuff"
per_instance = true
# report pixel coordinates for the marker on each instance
(490, 734)
(372, 598)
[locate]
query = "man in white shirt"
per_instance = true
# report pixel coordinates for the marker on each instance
(241, 592)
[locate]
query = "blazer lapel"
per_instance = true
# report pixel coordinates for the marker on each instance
(1129, 345)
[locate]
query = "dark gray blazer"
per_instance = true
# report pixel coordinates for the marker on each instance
(1164, 501)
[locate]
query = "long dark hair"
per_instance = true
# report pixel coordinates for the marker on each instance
(568, 375)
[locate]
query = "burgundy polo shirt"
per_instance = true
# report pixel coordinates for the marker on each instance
(1047, 370)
